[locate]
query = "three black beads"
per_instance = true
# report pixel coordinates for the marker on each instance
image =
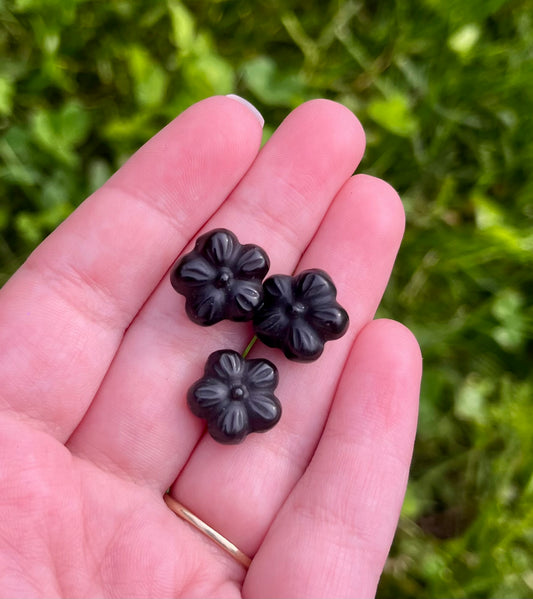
(299, 314)
(220, 278)
(235, 396)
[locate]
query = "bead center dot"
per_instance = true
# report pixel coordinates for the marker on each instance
(296, 309)
(224, 278)
(238, 392)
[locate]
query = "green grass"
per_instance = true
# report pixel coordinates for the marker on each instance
(444, 92)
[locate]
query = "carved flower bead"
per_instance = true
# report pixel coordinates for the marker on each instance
(235, 396)
(299, 314)
(220, 278)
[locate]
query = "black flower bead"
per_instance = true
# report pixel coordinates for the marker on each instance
(299, 314)
(221, 278)
(235, 396)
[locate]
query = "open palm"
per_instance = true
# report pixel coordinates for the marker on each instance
(98, 354)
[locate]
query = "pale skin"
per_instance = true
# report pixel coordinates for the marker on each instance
(98, 354)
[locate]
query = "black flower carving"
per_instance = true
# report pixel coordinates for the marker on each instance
(299, 314)
(221, 278)
(235, 396)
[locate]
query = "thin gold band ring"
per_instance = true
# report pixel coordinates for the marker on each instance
(185, 514)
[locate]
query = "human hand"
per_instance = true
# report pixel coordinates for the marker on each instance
(98, 354)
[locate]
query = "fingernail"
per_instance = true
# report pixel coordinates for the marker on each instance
(250, 106)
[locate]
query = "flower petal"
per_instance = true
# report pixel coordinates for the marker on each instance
(206, 307)
(226, 364)
(303, 343)
(330, 321)
(219, 247)
(207, 397)
(314, 286)
(232, 424)
(248, 297)
(271, 322)
(264, 411)
(192, 270)
(262, 374)
(279, 286)
(252, 262)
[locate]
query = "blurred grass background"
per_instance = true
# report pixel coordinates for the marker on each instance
(444, 90)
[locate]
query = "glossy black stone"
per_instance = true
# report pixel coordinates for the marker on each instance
(299, 314)
(220, 278)
(235, 396)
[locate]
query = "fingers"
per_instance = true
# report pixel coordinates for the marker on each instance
(140, 423)
(332, 535)
(238, 490)
(63, 314)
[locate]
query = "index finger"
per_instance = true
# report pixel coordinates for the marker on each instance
(63, 314)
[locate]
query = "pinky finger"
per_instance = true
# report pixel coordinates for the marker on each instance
(334, 532)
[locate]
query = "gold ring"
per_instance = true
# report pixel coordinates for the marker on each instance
(181, 511)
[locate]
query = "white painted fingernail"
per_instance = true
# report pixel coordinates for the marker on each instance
(250, 106)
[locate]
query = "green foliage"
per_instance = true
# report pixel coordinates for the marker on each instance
(444, 92)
